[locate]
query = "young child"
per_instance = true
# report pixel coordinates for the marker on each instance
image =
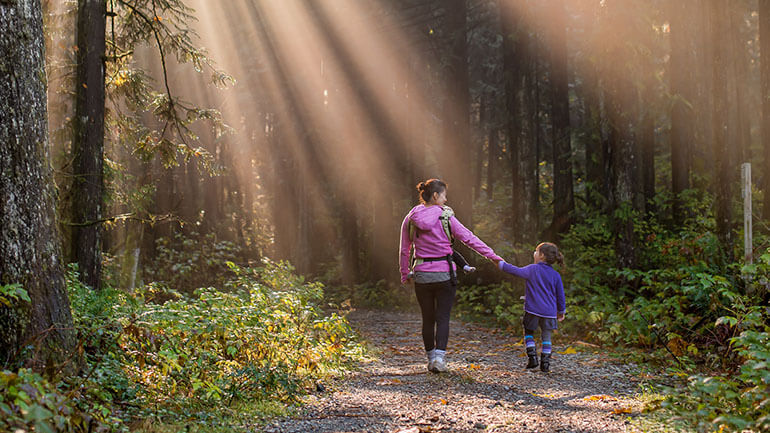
(544, 303)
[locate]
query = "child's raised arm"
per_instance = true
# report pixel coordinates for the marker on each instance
(514, 270)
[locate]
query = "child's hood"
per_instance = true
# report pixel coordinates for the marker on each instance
(425, 217)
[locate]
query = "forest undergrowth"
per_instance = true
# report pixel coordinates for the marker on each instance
(250, 346)
(217, 357)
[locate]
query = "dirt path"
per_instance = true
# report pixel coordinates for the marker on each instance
(487, 388)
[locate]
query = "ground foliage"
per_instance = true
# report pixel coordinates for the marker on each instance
(260, 337)
(701, 316)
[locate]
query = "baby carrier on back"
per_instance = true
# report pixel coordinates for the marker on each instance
(446, 215)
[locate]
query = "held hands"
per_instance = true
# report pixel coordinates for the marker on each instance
(408, 279)
(560, 317)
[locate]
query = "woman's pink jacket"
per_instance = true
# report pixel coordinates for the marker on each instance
(430, 240)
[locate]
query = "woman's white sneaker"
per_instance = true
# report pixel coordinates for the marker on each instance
(439, 365)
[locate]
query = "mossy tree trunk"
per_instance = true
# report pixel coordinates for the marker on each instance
(563, 196)
(722, 180)
(88, 145)
(764, 71)
(682, 89)
(29, 240)
(456, 156)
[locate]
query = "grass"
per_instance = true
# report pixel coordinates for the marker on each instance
(244, 416)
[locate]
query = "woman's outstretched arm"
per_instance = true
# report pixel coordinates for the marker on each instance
(468, 238)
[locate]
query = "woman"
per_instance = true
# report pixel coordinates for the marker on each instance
(432, 267)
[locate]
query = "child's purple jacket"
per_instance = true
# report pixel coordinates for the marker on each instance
(431, 240)
(544, 295)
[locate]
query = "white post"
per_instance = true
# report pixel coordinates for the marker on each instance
(134, 267)
(746, 175)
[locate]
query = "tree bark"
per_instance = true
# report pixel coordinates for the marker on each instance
(456, 152)
(88, 144)
(595, 174)
(764, 64)
(493, 154)
(622, 111)
(563, 196)
(681, 84)
(482, 137)
(722, 181)
(30, 250)
(702, 159)
(740, 125)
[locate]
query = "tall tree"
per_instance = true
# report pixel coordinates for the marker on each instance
(681, 87)
(29, 241)
(88, 144)
(722, 179)
(764, 64)
(622, 100)
(563, 196)
(517, 65)
(456, 152)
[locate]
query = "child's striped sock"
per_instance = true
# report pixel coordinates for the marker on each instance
(546, 347)
(529, 341)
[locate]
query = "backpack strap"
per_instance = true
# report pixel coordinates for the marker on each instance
(445, 218)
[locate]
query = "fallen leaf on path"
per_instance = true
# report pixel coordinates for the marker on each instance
(388, 382)
(568, 351)
(622, 410)
(474, 366)
(583, 343)
(599, 397)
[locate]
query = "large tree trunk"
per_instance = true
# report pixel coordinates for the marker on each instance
(622, 111)
(682, 81)
(493, 154)
(29, 241)
(740, 136)
(594, 145)
(722, 181)
(482, 137)
(456, 153)
(522, 153)
(563, 197)
(702, 159)
(647, 149)
(88, 144)
(764, 43)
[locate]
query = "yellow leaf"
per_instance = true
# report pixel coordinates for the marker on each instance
(622, 410)
(568, 351)
(598, 397)
(474, 367)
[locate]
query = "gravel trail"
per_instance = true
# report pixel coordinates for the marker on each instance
(486, 390)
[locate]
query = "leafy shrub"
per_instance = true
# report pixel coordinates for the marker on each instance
(261, 337)
(737, 402)
(188, 261)
(381, 295)
(497, 302)
(30, 402)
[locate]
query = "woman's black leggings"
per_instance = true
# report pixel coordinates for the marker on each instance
(436, 300)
